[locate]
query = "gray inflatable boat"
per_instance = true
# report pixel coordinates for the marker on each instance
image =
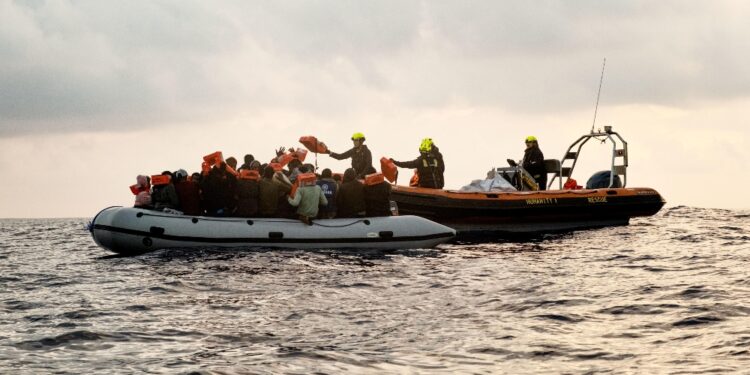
(131, 231)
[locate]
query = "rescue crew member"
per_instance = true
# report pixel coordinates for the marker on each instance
(360, 154)
(429, 165)
(533, 162)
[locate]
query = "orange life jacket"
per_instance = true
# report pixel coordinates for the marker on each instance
(276, 167)
(374, 179)
(303, 179)
(312, 144)
(247, 174)
(160, 179)
(135, 189)
(572, 184)
(414, 179)
(390, 171)
(214, 158)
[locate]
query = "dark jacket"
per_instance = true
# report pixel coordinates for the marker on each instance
(330, 189)
(361, 160)
(248, 195)
(270, 193)
(430, 168)
(533, 162)
(378, 199)
(164, 196)
(350, 199)
(188, 193)
(219, 192)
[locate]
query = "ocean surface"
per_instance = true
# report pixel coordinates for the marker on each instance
(667, 294)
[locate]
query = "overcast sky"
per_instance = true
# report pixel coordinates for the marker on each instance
(93, 93)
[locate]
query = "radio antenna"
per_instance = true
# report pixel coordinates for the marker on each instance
(596, 108)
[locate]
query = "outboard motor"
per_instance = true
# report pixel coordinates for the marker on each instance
(600, 180)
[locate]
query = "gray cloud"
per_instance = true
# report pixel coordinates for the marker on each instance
(100, 65)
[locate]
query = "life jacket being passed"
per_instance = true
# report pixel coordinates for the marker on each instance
(312, 144)
(214, 158)
(390, 171)
(285, 159)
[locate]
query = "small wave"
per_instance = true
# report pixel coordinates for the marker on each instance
(561, 318)
(638, 309)
(66, 338)
(697, 291)
(697, 320)
(83, 314)
(22, 305)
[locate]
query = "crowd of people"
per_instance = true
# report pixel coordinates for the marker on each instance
(283, 188)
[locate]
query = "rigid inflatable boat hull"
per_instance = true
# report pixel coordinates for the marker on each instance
(135, 231)
(527, 212)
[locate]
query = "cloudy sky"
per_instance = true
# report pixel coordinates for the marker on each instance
(94, 92)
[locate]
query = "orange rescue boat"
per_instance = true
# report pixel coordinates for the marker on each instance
(521, 212)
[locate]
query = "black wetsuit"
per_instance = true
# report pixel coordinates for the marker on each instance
(430, 168)
(533, 162)
(361, 160)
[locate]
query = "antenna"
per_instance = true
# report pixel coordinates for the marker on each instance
(601, 79)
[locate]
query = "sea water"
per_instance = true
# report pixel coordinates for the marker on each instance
(666, 294)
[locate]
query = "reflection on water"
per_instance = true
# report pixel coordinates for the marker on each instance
(669, 293)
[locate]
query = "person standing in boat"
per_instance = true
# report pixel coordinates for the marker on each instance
(429, 165)
(533, 162)
(360, 154)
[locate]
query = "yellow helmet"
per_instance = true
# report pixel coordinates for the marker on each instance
(531, 138)
(358, 136)
(426, 145)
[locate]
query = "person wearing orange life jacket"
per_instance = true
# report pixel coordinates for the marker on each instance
(142, 192)
(360, 154)
(429, 165)
(308, 198)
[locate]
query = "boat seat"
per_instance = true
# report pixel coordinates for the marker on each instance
(554, 166)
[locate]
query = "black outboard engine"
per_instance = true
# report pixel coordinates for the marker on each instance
(600, 180)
